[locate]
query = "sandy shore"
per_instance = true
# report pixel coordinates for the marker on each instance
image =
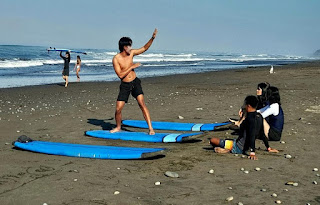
(53, 113)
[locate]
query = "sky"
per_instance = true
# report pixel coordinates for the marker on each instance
(289, 27)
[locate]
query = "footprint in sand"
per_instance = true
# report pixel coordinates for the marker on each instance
(15, 181)
(314, 109)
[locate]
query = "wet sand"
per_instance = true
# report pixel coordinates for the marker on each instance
(54, 113)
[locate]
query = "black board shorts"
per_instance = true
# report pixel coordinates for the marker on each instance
(274, 135)
(133, 87)
(65, 72)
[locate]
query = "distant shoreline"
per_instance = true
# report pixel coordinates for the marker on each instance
(182, 74)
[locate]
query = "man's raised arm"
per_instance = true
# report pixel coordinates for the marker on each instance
(147, 46)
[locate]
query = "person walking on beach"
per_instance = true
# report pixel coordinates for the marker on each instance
(65, 71)
(250, 130)
(77, 67)
(124, 67)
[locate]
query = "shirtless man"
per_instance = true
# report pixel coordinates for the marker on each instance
(124, 67)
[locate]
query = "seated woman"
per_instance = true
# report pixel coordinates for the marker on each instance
(262, 94)
(273, 115)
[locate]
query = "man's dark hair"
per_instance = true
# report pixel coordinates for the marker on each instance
(69, 58)
(124, 41)
(274, 96)
(251, 100)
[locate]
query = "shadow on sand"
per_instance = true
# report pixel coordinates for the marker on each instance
(104, 124)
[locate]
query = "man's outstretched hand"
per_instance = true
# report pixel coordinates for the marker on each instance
(136, 65)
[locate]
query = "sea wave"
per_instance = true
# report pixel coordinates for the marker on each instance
(15, 58)
(259, 57)
(18, 63)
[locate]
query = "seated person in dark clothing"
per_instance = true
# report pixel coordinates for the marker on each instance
(250, 130)
(273, 116)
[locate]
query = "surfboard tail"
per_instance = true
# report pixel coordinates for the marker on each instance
(23, 139)
(225, 126)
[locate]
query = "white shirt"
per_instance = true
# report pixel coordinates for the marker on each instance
(268, 110)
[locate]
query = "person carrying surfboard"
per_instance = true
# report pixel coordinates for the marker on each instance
(250, 130)
(124, 67)
(65, 71)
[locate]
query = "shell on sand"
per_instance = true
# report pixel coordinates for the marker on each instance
(230, 198)
(292, 183)
(171, 174)
(211, 171)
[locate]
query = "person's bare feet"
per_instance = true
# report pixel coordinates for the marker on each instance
(114, 130)
(221, 150)
(273, 150)
(151, 132)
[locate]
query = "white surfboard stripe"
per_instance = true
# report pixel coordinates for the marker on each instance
(170, 138)
(196, 127)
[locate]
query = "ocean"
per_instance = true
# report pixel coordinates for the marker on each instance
(33, 65)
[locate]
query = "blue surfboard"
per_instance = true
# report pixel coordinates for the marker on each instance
(89, 151)
(178, 126)
(142, 136)
(65, 50)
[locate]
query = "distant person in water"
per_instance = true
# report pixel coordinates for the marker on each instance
(124, 67)
(77, 67)
(250, 129)
(65, 71)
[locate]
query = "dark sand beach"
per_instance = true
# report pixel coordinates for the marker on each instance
(54, 113)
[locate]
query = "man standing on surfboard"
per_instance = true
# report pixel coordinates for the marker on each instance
(124, 67)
